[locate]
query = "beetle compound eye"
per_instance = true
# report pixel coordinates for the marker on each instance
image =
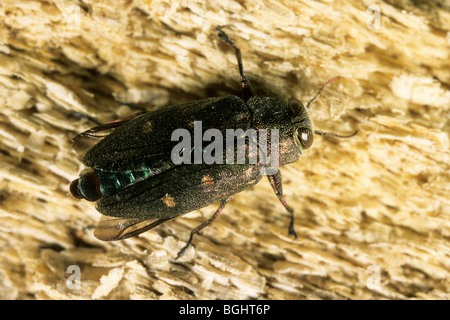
(295, 108)
(305, 137)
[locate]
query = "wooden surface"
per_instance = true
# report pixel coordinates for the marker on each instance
(372, 212)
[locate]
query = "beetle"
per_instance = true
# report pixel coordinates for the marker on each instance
(136, 184)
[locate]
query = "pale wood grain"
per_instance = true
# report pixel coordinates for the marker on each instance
(375, 204)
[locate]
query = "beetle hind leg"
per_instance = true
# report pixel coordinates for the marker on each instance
(200, 227)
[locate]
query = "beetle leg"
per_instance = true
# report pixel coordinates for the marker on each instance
(204, 224)
(275, 181)
(247, 91)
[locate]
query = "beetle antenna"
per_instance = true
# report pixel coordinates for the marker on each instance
(321, 133)
(320, 90)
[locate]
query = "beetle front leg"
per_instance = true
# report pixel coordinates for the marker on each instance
(275, 181)
(247, 91)
(204, 224)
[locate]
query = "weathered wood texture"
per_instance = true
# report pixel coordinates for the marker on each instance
(372, 212)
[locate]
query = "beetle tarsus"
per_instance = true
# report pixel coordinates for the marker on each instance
(291, 227)
(181, 252)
